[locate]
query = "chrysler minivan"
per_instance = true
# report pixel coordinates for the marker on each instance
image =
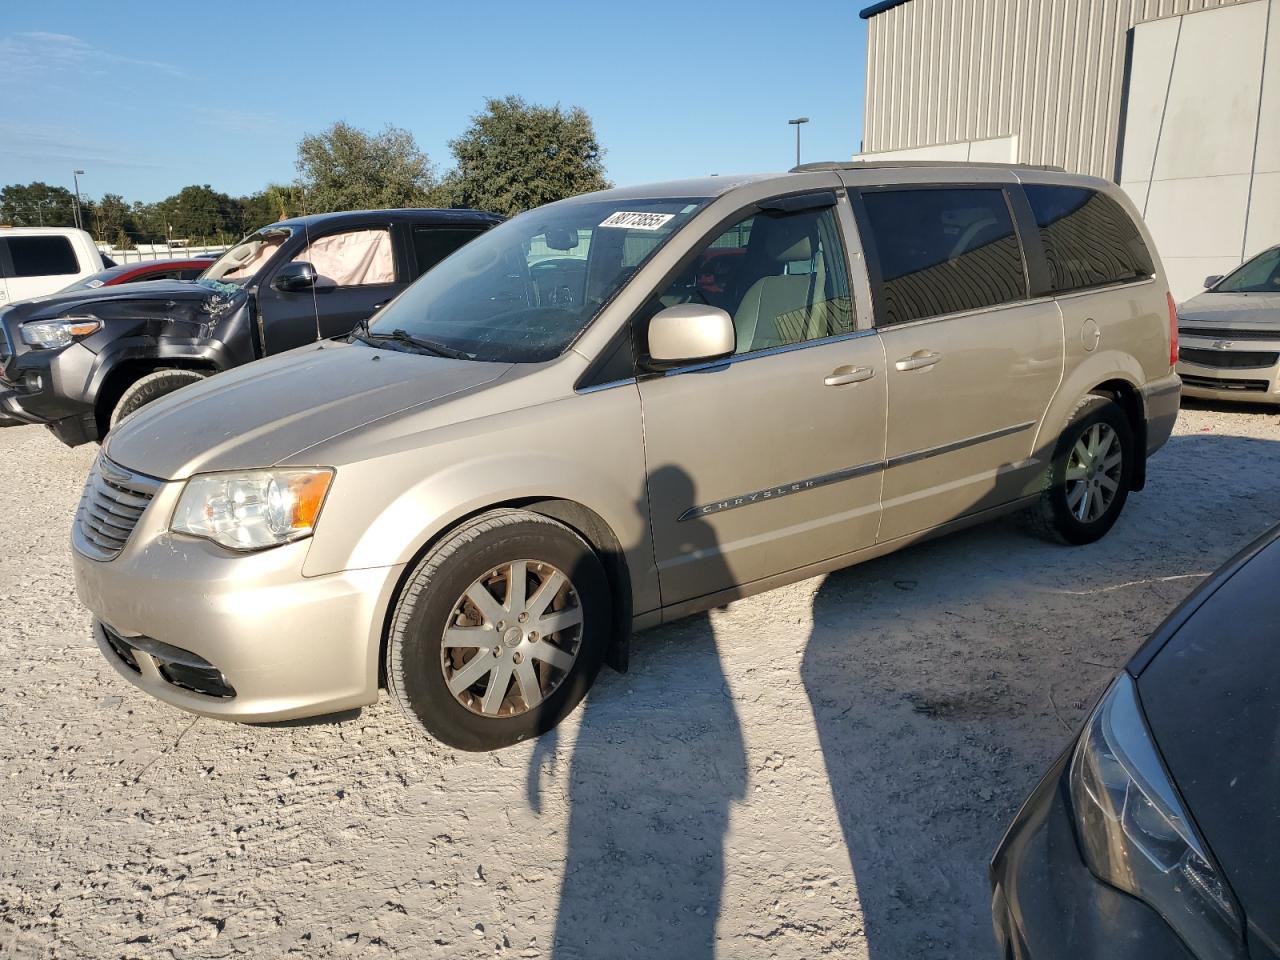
(619, 409)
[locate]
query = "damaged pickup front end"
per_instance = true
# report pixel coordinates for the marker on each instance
(66, 359)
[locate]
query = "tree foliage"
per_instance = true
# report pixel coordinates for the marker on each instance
(37, 204)
(345, 168)
(517, 155)
(513, 156)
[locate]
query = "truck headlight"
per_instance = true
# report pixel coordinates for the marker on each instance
(52, 334)
(254, 509)
(1135, 831)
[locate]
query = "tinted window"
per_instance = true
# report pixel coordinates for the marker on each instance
(943, 251)
(42, 256)
(781, 277)
(1088, 238)
(1259, 275)
(433, 244)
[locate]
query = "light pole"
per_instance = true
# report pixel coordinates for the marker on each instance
(75, 178)
(796, 123)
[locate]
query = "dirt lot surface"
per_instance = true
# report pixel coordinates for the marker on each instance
(818, 771)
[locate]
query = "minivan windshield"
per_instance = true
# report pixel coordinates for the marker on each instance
(247, 257)
(1259, 275)
(523, 291)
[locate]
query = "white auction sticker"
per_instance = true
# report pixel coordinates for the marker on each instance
(637, 221)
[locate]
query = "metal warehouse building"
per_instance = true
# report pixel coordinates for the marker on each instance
(1177, 100)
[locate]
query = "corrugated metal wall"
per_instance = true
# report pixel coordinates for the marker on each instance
(1049, 71)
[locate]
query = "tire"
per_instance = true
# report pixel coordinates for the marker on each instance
(1067, 514)
(436, 597)
(153, 386)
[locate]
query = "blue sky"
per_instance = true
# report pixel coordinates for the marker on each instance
(147, 97)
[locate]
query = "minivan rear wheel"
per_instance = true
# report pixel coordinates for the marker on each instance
(1087, 483)
(499, 631)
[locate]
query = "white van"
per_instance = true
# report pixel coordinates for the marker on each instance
(39, 260)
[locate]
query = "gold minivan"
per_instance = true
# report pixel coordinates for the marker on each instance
(620, 409)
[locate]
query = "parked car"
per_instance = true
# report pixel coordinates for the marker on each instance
(1231, 334)
(1157, 832)
(514, 465)
(144, 270)
(80, 361)
(35, 261)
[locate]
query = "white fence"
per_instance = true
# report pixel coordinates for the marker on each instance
(144, 252)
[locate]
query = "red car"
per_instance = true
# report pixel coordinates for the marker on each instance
(146, 270)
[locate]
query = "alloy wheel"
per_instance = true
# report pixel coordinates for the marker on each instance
(512, 638)
(1093, 472)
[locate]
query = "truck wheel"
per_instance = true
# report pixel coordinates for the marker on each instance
(499, 631)
(151, 387)
(1087, 483)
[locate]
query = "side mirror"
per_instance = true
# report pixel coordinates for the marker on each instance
(298, 275)
(690, 332)
(1211, 282)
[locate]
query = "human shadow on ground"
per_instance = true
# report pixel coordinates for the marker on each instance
(649, 786)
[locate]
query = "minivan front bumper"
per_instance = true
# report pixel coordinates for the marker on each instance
(288, 646)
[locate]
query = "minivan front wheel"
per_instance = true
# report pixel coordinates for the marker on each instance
(499, 631)
(1087, 483)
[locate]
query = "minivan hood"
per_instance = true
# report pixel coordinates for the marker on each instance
(265, 412)
(1246, 309)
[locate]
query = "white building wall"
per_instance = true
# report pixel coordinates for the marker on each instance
(1050, 72)
(1201, 147)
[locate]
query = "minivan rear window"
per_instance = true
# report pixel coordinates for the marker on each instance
(943, 251)
(1089, 239)
(42, 256)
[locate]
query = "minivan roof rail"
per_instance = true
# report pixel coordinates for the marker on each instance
(873, 164)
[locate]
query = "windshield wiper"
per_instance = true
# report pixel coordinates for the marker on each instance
(362, 332)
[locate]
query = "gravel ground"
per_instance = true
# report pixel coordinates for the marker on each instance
(818, 771)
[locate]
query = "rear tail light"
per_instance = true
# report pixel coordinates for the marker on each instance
(1173, 330)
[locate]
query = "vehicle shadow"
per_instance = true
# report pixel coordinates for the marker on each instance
(943, 679)
(649, 786)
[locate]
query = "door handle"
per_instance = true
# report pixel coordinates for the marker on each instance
(842, 375)
(918, 360)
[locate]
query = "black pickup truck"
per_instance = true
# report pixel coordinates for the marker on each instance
(80, 361)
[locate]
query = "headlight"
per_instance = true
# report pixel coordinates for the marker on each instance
(254, 509)
(51, 334)
(1136, 833)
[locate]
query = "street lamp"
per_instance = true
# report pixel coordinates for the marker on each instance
(796, 123)
(75, 178)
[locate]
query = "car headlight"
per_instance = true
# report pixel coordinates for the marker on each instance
(51, 334)
(1135, 831)
(254, 509)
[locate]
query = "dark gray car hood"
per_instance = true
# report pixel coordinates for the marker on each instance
(267, 411)
(1212, 699)
(1230, 309)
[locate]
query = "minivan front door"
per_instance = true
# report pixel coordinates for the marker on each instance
(769, 460)
(972, 362)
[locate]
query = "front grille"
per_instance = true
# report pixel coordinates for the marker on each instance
(114, 499)
(1213, 383)
(1226, 333)
(1234, 359)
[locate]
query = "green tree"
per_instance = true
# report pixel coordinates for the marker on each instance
(37, 204)
(200, 213)
(111, 217)
(276, 202)
(517, 155)
(345, 168)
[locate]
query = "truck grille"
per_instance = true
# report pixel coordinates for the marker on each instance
(114, 499)
(1229, 358)
(1212, 383)
(1226, 333)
